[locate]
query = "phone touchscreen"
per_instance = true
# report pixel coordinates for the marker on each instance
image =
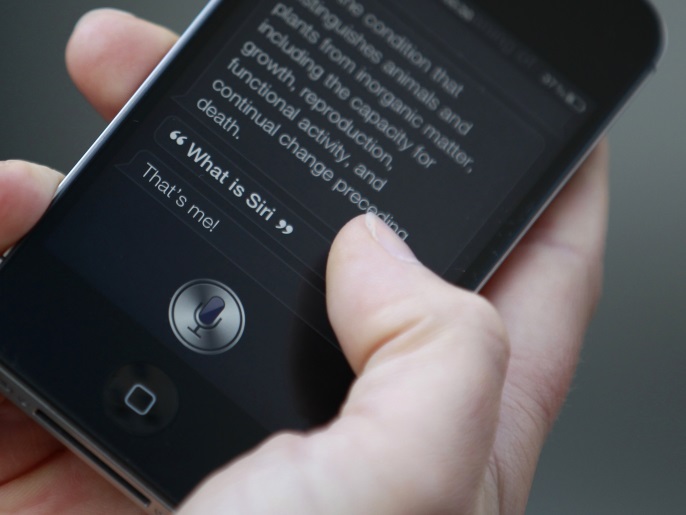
(294, 118)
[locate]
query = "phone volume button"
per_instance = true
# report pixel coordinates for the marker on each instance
(5, 387)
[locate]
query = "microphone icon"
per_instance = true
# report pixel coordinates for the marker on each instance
(207, 316)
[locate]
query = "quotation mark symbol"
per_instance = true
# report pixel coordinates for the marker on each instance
(284, 227)
(178, 137)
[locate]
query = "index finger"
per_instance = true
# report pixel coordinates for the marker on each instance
(110, 54)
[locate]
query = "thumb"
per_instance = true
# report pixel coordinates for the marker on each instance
(416, 432)
(431, 360)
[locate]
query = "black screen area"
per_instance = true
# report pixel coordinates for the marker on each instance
(281, 129)
(202, 222)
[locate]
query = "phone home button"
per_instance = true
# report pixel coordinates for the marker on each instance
(141, 399)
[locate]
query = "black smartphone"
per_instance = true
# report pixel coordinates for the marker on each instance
(168, 313)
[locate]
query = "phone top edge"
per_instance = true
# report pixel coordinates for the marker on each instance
(622, 106)
(617, 42)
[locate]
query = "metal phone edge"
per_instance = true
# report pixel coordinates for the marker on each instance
(33, 404)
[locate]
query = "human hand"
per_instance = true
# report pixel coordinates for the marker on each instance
(439, 419)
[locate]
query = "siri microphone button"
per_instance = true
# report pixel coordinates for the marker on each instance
(206, 316)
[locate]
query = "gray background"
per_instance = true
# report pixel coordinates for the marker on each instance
(618, 447)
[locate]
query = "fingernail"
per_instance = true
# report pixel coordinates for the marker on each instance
(388, 239)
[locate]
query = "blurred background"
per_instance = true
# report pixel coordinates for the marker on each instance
(620, 444)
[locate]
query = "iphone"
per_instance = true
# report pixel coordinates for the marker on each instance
(168, 313)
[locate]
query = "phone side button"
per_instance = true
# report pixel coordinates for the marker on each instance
(141, 399)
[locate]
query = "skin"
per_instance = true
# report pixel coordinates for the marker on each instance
(456, 392)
